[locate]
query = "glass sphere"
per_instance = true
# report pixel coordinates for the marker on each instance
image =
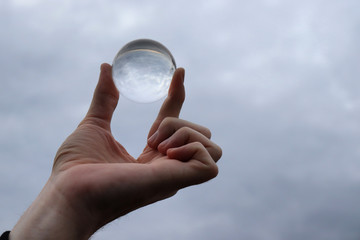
(142, 70)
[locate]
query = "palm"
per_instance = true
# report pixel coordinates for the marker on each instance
(91, 144)
(92, 159)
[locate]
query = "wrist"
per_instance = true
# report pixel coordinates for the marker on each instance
(50, 216)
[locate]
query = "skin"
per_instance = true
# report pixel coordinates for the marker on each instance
(95, 181)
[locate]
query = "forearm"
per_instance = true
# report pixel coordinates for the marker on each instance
(50, 217)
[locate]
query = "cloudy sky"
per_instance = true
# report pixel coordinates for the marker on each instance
(276, 81)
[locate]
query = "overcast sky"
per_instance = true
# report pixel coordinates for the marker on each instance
(277, 82)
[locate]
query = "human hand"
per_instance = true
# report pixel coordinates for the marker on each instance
(94, 180)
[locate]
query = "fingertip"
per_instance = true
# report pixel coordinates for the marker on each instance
(181, 72)
(152, 140)
(177, 89)
(105, 66)
(106, 78)
(106, 70)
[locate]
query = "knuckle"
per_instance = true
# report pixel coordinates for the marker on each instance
(167, 121)
(198, 145)
(213, 170)
(206, 131)
(166, 126)
(209, 167)
(185, 130)
(215, 152)
(218, 152)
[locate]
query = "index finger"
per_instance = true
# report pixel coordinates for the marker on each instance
(174, 101)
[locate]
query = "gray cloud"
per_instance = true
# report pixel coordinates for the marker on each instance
(275, 81)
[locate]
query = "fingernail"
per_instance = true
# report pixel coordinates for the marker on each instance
(182, 75)
(153, 137)
(101, 67)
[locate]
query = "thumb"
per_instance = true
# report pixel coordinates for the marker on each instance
(105, 99)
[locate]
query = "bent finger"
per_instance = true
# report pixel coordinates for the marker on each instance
(169, 126)
(197, 159)
(187, 135)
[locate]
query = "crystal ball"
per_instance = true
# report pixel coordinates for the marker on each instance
(142, 70)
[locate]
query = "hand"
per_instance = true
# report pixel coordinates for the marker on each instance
(94, 180)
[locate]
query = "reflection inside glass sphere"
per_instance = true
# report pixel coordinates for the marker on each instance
(142, 70)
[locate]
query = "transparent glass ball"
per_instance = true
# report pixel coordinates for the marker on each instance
(142, 70)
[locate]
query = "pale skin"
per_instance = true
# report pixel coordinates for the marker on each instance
(95, 181)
